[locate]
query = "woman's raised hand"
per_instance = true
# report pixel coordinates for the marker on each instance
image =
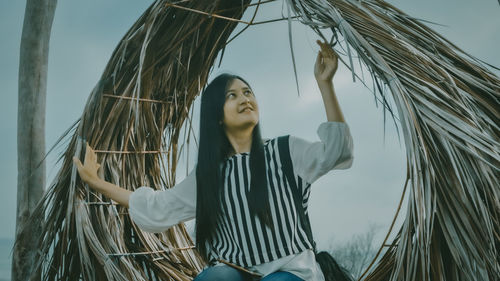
(88, 171)
(326, 63)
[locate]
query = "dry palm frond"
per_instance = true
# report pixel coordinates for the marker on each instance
(449, 107)
(133, 117)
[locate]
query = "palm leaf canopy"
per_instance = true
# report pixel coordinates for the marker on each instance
(447, 105)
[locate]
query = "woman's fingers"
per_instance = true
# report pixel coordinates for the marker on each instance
(321, 45)
(329, 52)
(326, 61)
(90, 152)
(93, 155)
(318, 58)
(334, 53)
(326, 50)
(78, 164)
(90, 156)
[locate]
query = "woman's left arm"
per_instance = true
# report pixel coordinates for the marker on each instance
(311, 160)
(324, 69)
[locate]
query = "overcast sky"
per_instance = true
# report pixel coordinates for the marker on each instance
(343, 202)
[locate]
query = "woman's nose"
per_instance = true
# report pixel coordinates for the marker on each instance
(245, 100)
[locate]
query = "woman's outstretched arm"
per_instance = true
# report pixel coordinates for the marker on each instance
(88, 174)
(324, 69)
(152, 210)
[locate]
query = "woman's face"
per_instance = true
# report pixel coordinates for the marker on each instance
(240, 108)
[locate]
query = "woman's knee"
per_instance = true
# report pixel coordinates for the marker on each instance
(219, 273)
(282, 276)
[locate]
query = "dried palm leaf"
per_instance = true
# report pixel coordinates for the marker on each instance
(133, 118)
(448, 105)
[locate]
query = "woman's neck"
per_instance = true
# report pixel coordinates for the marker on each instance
(240, 140)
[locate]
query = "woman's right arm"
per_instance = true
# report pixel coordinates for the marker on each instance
(152, 210)
(157, 210)
(118, 194)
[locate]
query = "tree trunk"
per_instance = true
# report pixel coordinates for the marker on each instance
(33, 64)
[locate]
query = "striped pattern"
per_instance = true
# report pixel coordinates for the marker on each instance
(246, 241)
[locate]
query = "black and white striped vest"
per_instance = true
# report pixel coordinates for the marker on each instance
(244, 240)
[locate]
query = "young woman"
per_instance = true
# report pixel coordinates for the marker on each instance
(246, 218)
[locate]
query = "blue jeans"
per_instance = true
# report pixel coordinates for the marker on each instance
(227, 273)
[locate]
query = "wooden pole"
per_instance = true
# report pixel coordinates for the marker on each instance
(33, 65)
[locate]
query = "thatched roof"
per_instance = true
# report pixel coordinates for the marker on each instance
(447, 106)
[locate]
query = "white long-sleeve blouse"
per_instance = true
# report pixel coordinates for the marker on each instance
(157, 210)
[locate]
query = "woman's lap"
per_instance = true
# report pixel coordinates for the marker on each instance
(225, 272)
(220, 273)
(281, 276)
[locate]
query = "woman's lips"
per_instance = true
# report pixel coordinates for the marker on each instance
(246, 109)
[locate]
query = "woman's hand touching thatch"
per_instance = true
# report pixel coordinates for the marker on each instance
(88, 170)
(324, 69)
(88, 173)
(326, 63)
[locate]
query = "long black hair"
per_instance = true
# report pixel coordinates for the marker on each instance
(214, 148)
